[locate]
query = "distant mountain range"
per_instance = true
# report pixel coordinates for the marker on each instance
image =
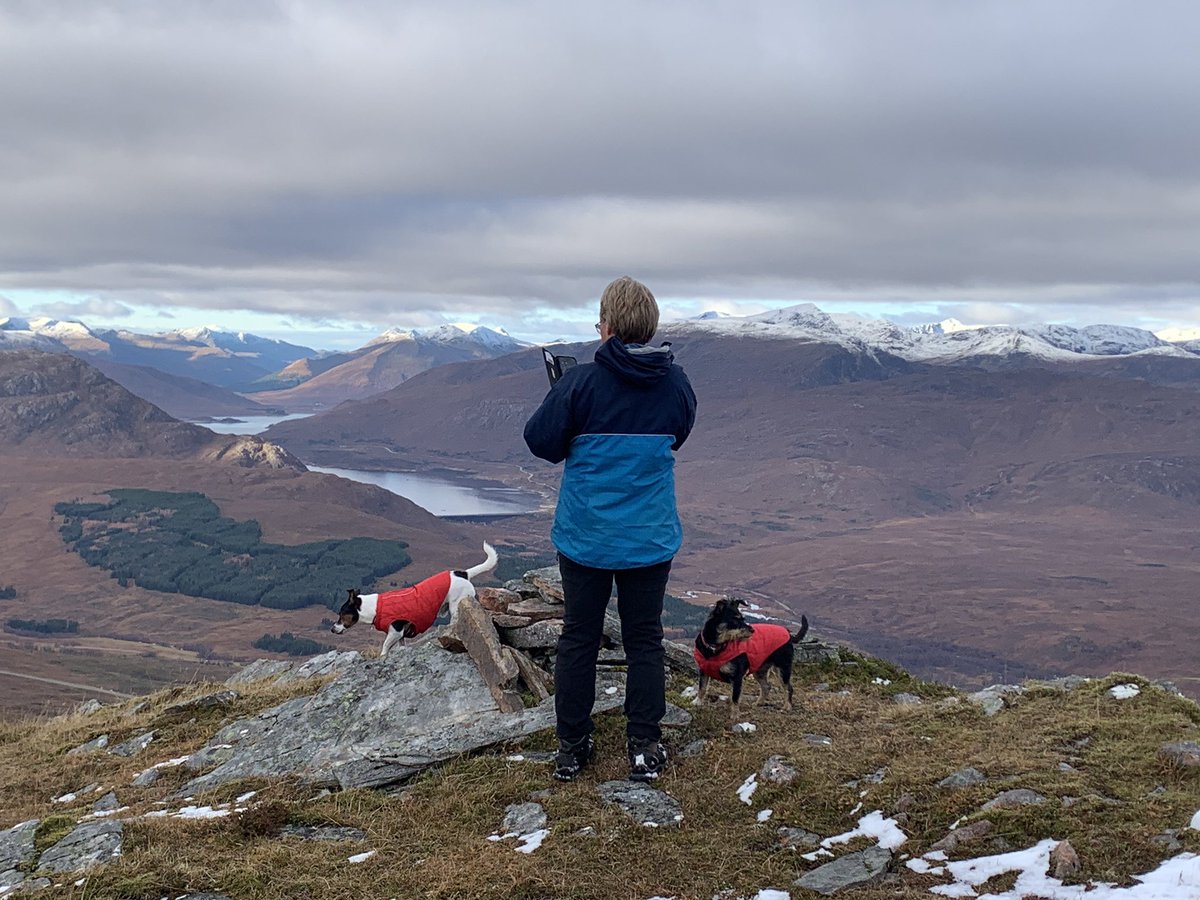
(949, 340)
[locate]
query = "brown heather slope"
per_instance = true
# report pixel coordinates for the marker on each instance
(969, 524)
(68, 432)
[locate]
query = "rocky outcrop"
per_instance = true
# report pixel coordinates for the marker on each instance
(853, 870)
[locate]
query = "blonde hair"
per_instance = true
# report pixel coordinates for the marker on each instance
(630, 310)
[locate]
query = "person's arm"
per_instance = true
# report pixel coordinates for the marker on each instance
(689, 415)
(549, 431)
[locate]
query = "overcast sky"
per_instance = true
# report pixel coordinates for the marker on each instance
(336, 168)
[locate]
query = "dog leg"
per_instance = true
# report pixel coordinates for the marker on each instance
(702, 692)
(394, 636)
(735, 709)
(785, 676)
(764, 686)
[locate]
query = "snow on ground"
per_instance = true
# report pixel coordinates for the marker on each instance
(1175, 879)
(885, 831)
(361, 857)
(1124, 691)
(764, 815)
(1195, 823)
(533, 840)
(745, 727)
(749, 786)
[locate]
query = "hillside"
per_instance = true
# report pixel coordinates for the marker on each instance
(969, 523)
(879, 786)
(68, 433)
(180, 396)
(389, 360)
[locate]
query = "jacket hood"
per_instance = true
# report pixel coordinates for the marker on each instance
(635, 363)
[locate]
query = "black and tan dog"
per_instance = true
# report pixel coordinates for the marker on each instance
(728, 648)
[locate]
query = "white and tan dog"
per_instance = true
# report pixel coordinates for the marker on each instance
(411, 611)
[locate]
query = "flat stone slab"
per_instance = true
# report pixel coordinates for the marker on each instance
(188, 708)
(322, 833)
(88, 845)
(642, 803)
(541, 635)
(853, 870)
(92, 746)
(133, 746)
(16, 850)
(260, 669)
(523, 818)
(797, 838)
(377, 722)
(548, 582)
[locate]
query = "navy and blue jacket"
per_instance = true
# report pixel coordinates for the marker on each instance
(615, 422)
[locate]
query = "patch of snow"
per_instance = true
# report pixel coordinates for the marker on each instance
(936, 855)
(1195, 823)
(856, 808)
(771, 894)
(749, 786)
(246, 796)
(1174, 879)
(689, 692)
(1124, 691)
(878, 680)
(105, 813)
(885, 831)
(610, 691)
(200, 812)
(764, 815)
(816, 854)
(745, 728)
(65, 798)
(533, 840)
(361, 857)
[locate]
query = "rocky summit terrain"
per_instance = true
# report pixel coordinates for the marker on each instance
(349, 776)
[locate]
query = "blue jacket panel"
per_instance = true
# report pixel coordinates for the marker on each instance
(615, 422)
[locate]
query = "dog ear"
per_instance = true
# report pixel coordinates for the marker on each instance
(736, 602)
(720, 605)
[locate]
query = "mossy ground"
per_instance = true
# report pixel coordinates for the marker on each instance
(430, 838)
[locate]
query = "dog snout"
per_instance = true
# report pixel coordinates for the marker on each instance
(338, 628)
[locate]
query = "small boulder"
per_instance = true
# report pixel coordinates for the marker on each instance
(993, 699)
(535, 610)
(133, 746)
(777, 771)
(963, 778)
(548, 582)
(818, 740)
(968, 834)
(146, 778)
(322, 833)
(642, 803)
(523, 818)
(797, 838)
(695, 748)
(906, 699)
(91, 746)
(16, 851)
(853, 870)
(185, 710)
(676, 717)
(259, 670)
(496, 600)
(1064, 861)
(538, 636)
(107, 803)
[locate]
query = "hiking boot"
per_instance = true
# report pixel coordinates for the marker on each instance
(646, 761)
(573, 757)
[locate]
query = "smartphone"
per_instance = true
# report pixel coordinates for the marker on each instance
(556, 365)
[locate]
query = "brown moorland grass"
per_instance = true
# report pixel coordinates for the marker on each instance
(430, 836)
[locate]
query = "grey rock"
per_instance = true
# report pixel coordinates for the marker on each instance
(963, 778)
(87, 845)
(1181, 753)
(695, 748)
(322, 833)
(777, 771)
(146, 778)
(544, 794)
(133, 746)
(139, 707)
(1169, 686)
(523, 818)
(818, 740)
(188, 708)
(676, 717)
(1014, 799)
(853, 870)
(87, 707)
(1066, 768)
(1064, 861)
(797, 838)
(547, 581)
(642, 803)
(906, 699)
(1065, 683)
(107, 803)
(993, 699)
(91, 746)
(1168, 840)
(541, 635)
(378, 722)
(968, 834)
(821, 687)
(16, 851)
(260, 669)
(519, 586)
(816, 652)
(332, 663)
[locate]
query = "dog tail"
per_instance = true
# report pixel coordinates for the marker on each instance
(799, 635)
(487, 565)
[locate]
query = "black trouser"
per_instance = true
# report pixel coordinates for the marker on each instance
(639, 602)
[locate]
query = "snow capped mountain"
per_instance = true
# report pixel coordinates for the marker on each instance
(945, 341)
(496, 339)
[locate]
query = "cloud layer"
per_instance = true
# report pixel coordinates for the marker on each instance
(361, 159)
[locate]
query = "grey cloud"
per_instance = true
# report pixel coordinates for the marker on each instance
(90, 308)
(7, 307)
(445, 157)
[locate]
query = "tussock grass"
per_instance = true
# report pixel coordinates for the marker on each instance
(430, 837)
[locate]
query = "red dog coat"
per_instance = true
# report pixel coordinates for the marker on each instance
(418, 604)
(765, 640)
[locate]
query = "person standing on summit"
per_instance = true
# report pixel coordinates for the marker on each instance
(615, 422)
